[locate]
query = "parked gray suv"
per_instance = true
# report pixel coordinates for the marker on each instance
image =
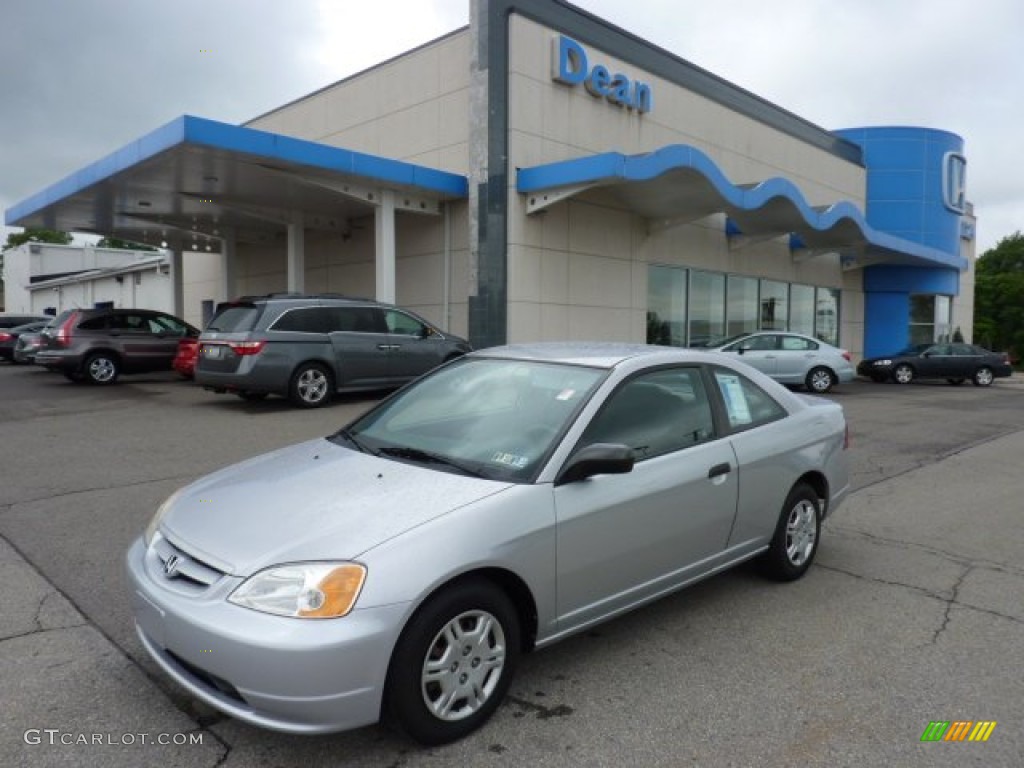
(307, 347)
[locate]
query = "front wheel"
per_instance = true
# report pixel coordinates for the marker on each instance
(983, 377)
(101, 368)
(903, 374)
(312, 386)
(796, 536)
(453, 663)
(820, 380)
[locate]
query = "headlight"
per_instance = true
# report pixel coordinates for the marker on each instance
(154, 524)
(303, 590)
(882, 362)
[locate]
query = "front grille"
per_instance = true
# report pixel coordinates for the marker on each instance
(176, 563)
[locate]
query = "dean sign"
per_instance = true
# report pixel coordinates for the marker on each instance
(570, 65)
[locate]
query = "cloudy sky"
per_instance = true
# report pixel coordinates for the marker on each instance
(80, 79)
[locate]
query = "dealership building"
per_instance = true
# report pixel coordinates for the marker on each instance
(543, 174)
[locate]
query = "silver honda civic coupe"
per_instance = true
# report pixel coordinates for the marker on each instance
(397, 569)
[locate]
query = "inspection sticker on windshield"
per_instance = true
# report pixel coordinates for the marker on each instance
(510, 460)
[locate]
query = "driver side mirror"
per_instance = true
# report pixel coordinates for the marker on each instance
(597, 459)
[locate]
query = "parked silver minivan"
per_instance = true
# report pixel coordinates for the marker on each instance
(308, 347)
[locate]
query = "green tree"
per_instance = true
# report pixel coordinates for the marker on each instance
(128, 245)
(37, 235)
(999, 296)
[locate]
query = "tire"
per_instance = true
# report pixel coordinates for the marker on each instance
(983, 377)
(796, 538)
(312, 386)
(437, 693)
(956, 382)
(903, 374)
(820, 380)
(101, 368)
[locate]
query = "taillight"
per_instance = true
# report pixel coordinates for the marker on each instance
(5, 336)
(64, 332)
(846, 355)
(247, 347)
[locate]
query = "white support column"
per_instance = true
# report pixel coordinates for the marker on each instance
(384, 231)
(228, 265)
(297, 253)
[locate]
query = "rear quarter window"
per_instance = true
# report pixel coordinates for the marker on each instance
(235, 318)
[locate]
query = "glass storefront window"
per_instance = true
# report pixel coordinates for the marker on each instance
(707, 307)
(801, 309)
(774, 305)
(826, 315)
(666, 306)
(930, 317)
(741, 307)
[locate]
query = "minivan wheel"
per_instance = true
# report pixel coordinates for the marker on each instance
(101, 368)
(312, 386)
(820, 380)
(453, 663)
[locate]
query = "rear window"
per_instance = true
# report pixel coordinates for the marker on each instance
(234, 318)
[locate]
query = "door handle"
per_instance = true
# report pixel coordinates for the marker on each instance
(719, 470)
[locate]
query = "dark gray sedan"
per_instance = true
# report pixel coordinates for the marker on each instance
(954, 362)
(398, 568)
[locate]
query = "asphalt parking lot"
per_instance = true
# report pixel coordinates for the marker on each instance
(913, 611)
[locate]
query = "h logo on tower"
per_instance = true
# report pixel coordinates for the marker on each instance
(954, 181)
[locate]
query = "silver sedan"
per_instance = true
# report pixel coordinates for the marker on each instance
(398, 568)
(791, 358)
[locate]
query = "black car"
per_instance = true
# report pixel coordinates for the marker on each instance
(14, 319)
(954, 362)
(98, 345)
(9, 337)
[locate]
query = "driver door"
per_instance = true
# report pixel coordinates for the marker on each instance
(623, 538)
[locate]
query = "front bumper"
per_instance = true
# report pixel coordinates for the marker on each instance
(300, 676)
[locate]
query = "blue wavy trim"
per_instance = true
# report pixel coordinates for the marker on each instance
(612, 168)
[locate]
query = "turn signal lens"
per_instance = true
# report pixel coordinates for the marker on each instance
(303, 590)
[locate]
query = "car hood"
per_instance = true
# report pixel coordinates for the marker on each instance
(312, 501)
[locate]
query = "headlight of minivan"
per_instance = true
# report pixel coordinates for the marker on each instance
(303, 590)
(154, 523)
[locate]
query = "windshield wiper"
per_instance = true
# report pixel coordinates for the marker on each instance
(344, 434)
(416, 454)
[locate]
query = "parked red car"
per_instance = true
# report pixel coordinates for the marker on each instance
(185, 360)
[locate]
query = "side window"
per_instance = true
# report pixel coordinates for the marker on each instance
(756, 344)
(964, 350)
(746, 404)
(796, 344)
(167, 324)
(937, 350)
(129, 323)
(93, 323)
(304, 320)
(400, 323)
(355, 320)
(655, 413)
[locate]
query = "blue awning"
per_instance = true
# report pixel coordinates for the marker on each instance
(193, 178)
(681, 182)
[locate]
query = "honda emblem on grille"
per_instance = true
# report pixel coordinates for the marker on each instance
(171, 566)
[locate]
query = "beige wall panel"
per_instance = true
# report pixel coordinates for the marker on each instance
(600, 324)
(597, 281)
(524, 273)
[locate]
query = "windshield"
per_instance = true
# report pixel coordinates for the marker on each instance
(498, 419)
(721, 341)
(913, 350)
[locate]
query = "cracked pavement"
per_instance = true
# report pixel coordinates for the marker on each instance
(913, 612)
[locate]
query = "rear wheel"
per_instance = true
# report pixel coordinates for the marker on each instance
(796, 536)
(903, 374)
(312, 386)
(453, 663)
(101, 368)
(983, 377)
(820, 380)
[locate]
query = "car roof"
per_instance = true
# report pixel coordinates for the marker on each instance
(598, 354)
